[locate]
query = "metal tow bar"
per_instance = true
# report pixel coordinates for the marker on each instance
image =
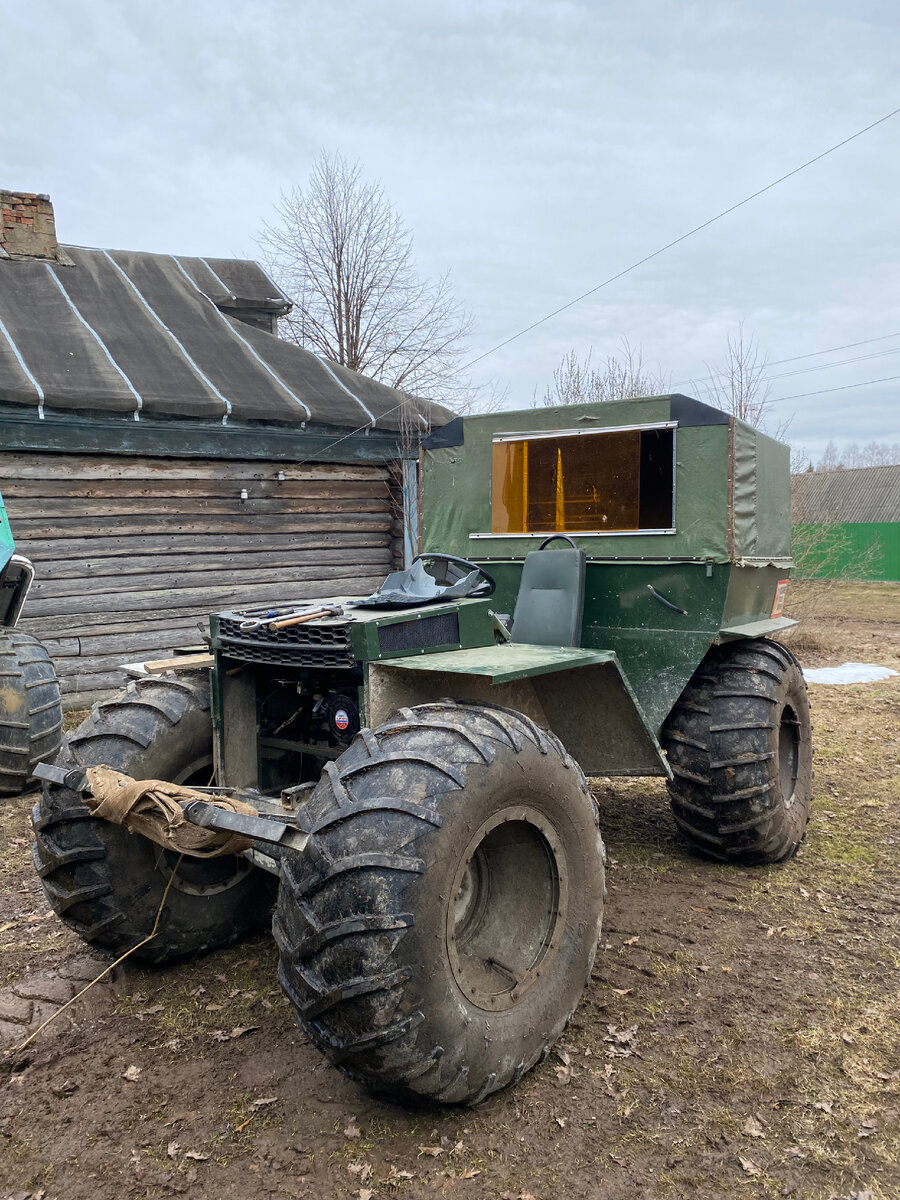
(260, 829)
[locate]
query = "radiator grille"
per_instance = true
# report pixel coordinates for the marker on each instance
(319, 644)
(441, 630)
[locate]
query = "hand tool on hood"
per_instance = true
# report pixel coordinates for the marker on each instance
(261, 622)
(328, 610)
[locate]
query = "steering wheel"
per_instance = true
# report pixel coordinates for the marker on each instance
(562, 537)
(487, 588)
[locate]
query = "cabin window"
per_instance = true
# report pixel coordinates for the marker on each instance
(608, 481)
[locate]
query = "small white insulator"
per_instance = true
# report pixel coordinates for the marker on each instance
(245, 495)
(281, 476)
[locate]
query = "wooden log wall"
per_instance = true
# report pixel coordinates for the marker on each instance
(132, 554)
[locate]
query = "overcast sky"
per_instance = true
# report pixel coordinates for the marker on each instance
(534, 149)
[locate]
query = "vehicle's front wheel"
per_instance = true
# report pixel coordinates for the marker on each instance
(438, 933)
(739, 745)
(107, 883)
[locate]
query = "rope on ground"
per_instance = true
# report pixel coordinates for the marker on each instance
(152, 807)
(87, 987)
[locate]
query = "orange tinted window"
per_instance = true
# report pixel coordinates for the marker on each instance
(590, 483)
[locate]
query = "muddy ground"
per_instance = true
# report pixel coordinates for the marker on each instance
(740, 1037)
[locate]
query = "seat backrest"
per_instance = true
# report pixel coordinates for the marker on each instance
(550, 604)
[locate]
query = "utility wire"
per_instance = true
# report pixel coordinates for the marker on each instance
(668, 246)
(844, 388)
(833, 349)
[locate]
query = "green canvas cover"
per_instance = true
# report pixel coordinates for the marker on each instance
(713, 519)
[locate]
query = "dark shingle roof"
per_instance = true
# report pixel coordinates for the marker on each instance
(861, 494)
(121, 331)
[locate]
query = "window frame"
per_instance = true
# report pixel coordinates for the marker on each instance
(543, 434)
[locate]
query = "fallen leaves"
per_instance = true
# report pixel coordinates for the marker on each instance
(352, 1130)
(132, 1073)
(750, 1166)
(622, 1041)
(220, 1035)
(753, 1127)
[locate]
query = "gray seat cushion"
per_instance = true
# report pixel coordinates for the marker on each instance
(550, 604)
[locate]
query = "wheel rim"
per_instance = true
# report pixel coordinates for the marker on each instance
(201, 876)
(788, 753)
(507, 908)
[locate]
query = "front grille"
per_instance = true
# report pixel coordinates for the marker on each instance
(318, 644)
(440, 630)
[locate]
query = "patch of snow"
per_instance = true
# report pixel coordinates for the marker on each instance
(848, 672)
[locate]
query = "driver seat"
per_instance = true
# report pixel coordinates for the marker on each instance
(550, 605)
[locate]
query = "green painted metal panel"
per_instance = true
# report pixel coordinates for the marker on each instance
(852, 550)
(506, 663)
(7, 545)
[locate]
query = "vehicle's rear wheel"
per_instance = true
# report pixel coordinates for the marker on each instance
(437, 935)
(739, 745)
(107, 883)
(30, 710)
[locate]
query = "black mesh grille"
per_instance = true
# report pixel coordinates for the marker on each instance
(441, 630)
(325, 644)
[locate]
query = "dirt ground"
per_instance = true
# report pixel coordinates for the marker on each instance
(739, 1037)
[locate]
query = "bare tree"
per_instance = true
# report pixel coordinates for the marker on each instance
(617, 378)
(873, 454)
(344, 256)
(740, 386)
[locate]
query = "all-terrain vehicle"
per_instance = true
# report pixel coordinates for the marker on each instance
(30, 709)
(596, 596)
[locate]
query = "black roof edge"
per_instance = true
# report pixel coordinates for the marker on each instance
(689, 412)
(451, 434)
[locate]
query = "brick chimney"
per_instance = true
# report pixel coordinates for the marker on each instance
(27, 227)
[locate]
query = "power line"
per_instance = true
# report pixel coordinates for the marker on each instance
(844, 388)
(842, 362)
(833, 349)
(668, 246)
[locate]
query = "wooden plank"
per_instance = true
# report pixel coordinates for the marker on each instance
(45, 586)
(212, 598)
(181, 662)
(40, 549)
(79, 568)
(108, 510)
(18, 490)
(62, 647)
(237, 525)
(95, 682)
(101, 466)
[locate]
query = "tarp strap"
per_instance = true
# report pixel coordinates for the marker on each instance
(152, 807)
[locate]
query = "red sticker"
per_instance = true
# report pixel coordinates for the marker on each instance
(780, 596)
(341, 719)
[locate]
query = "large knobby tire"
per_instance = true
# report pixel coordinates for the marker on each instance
(30, 710)
(739, 745)
(438, 933)
(107, 883)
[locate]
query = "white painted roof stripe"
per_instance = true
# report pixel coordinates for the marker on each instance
(21, 361)
(201, 375)
(98, 339)
(217, 278)
(346, 389)
(262, 362)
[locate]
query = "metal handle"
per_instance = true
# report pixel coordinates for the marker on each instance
(668, 603)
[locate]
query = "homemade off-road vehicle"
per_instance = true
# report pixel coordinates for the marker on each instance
(595, 597)
(30, 709)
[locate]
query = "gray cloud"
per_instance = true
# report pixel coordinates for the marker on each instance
(535, 148)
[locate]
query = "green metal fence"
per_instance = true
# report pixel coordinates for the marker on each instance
(858, 550)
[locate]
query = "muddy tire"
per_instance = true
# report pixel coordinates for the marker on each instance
(738, 742)
(106, 883)
(30, 710)
(438, 933)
